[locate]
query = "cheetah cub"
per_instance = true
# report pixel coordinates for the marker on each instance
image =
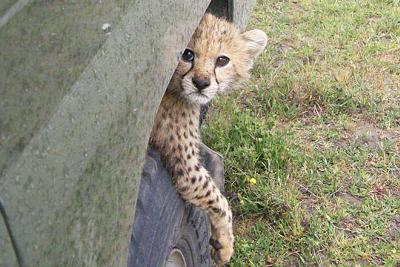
(218, 58)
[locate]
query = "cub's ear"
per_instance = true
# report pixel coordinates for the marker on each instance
(255, 42)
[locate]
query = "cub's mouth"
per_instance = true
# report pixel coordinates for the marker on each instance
(198, 97)
(198, 94)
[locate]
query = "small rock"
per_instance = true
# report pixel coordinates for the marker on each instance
(106, 27)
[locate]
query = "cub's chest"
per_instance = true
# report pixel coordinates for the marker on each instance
(175, 123)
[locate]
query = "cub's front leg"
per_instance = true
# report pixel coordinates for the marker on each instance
(195, 185)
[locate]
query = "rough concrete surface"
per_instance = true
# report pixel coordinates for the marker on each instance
(77, 105)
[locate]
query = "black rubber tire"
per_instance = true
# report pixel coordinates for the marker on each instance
(163, 221)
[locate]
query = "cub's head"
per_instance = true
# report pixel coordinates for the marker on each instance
(218, 57)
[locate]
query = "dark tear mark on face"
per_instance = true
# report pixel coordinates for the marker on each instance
(190, 69)
(215, 75)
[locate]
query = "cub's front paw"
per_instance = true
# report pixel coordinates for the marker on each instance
(222, 249)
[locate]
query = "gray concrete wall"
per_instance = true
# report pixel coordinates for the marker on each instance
(76, 108)
(241, 12)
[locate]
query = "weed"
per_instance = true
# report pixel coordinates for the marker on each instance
(312, 145)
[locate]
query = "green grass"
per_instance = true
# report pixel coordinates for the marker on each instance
(312, 143)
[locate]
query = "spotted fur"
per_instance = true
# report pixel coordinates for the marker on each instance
(176, 128)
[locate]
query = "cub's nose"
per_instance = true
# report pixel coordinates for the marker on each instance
(201, 82)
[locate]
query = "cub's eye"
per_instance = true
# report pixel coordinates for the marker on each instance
(222, 61)
(188, 55)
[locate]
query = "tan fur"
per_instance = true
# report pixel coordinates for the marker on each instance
(176, 128)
